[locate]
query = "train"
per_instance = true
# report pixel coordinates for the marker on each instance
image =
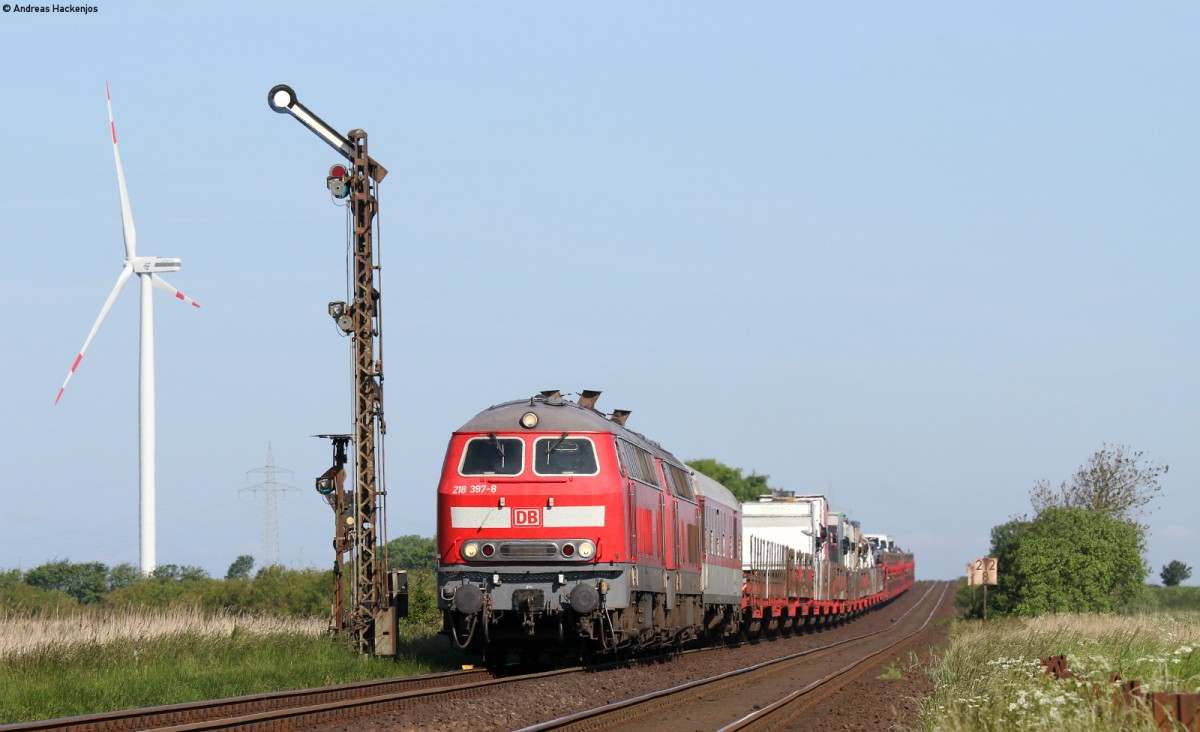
(559, 528)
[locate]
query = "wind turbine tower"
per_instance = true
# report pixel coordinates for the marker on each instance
(270, 523)
(147, 269)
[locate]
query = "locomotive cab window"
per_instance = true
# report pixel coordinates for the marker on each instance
(493, 455)
(564, 455)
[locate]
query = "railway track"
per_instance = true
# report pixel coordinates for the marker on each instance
(259, 710)
(769, 689)
(333, 705)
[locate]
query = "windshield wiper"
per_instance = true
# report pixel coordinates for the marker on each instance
(496, 443)
(554, 445)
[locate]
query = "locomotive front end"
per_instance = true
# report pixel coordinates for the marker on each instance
(529, 516)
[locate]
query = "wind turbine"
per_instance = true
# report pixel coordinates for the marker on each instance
(147, 269)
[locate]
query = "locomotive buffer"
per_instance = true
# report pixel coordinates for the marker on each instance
(376, 598)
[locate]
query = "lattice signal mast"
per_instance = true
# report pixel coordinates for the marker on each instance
(377, 598)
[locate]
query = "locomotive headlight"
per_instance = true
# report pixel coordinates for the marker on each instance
(587, 550)
(529, 420)
(470, 550)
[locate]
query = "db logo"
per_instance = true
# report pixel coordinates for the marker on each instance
(527, 517)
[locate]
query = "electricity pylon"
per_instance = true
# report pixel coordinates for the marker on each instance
(269, 487)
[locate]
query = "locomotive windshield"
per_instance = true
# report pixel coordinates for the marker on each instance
(493, 455)
(564, 455)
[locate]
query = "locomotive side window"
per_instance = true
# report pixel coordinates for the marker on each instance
(679, 481)
(638, 463)
(716, 542)
(564, 455)
(493, 455)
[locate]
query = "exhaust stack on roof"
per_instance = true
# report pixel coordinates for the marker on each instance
(620, 415)
(588, 399)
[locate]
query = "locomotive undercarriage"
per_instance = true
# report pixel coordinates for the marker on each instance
(582, 612)
(646, 626)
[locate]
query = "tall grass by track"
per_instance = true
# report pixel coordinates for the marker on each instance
(85, 662)
(990, 679)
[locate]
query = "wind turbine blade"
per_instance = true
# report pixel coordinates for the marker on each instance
(112, 297)
(162, 284)
(126, 212)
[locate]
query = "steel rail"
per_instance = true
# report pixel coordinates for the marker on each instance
(622, 712)
(272, 705)
(192, 712)
(763, 717)
(347, 709)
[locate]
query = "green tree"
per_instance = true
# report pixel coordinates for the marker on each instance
(1067, 560)
(412, 552)
(87, 582)
(178, 573)
(16, 596)
(1005, 540)
(1114, 480)
(167, 593)
(123, 575)
(422, 599)
(240, 567)
(743, 487)
(275, 590)
(294, 592)
(1174, 573)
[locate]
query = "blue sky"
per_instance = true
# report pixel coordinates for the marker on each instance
(916, 257)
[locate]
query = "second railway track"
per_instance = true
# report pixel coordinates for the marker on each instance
(755, 697)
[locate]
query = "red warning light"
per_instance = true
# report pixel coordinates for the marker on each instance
(338, 181)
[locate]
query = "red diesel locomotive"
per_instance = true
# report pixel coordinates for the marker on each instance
(560, 527)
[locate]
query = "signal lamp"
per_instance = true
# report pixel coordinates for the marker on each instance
(340, 312)
(487, 550)
(587, 550)
(568, 550)
(338, 181)
(324, 485)
(529, 420)
(470, 550)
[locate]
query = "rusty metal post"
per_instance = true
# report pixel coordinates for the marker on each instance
(361, 529)
(369, 514)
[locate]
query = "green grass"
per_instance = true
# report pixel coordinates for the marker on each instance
(989, 677)
(68, 679)
(891, 673)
